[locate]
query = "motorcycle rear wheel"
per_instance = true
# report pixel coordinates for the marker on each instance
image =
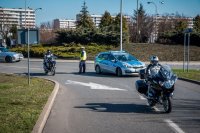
(167, 104)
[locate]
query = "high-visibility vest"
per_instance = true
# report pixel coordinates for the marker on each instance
(83, 55)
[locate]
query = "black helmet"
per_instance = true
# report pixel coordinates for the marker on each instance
(48, 51)
(154, 60)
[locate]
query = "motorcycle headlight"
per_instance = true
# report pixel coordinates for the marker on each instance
(168, 84)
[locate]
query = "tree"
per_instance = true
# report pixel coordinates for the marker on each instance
(13, 30)
(85, 20)
(117, 22)
(106, 21)
(197, 23)
(142, 25)
(180, 25)
(46, 25)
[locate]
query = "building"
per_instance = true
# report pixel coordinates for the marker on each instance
(64, 24)
(20, 17)
(97, 18)
(169, 18)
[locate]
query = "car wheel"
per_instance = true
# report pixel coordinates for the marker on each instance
(8, 59)
(98, 69)
(119, 72)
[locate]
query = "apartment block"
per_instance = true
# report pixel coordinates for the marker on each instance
(17, 16)
(64, 24)
(97, 18)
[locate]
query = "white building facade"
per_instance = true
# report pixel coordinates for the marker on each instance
(20, 17)
(64, 24)
(97, 18)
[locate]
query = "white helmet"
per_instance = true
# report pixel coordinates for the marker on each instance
(154, 60)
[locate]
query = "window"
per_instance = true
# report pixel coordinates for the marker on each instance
(111, 57)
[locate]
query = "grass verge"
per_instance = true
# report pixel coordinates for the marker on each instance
(21, 104)
(191, 74)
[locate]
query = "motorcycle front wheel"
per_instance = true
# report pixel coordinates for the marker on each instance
(53, 71)
(167, 104)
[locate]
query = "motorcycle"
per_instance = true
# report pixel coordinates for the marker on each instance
(160, 87)
(50, 65)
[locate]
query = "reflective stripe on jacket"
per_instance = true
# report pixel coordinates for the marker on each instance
(83, 55)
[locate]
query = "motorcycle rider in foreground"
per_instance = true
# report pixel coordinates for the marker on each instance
(157, 84)
(151, 73)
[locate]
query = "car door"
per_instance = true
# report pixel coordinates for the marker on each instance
(104, 63)
(111, 64)
(1, 55)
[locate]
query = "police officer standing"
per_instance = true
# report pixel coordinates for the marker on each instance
(83, 57)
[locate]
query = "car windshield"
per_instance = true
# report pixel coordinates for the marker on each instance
(4, 50)
(125, 57)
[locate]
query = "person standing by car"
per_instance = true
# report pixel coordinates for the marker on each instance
(83, 57)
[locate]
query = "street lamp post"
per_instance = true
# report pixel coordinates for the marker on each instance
(28, 45)
(29, 50)
(137, 23)
(156, 11)
(121, 26)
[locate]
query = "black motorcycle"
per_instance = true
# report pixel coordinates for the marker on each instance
(160, 87)
(50, 65)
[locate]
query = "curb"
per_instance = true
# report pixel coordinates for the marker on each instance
(189, 80)
(39, 126)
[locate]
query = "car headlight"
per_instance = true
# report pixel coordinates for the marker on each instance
(16, 55)
(127, 65)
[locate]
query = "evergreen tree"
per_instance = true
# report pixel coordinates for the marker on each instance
(142, 26)
(85, 20)
(117, 22)
(197, 23)
(13, 30)
(116, 27)
(180, 25)
(106, 21)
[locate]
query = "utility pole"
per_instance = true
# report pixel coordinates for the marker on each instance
(121, 26)
(137, 23)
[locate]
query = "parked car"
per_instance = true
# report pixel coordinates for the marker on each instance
(7, 56)
(118, 62)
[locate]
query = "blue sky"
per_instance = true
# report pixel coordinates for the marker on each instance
(52, 9)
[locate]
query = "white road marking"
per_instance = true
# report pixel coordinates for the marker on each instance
(94, 86)
(174, 126)
(156, 109)
(141, 97)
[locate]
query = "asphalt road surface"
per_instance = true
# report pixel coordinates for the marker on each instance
(93, 103)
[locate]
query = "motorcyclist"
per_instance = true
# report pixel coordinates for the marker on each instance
(47, 55)
(151, 73)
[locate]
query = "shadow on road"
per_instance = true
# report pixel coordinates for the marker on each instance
(119, 108)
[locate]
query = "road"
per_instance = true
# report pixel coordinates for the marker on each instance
(92, 103)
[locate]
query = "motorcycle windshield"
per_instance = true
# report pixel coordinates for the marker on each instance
(166, 72)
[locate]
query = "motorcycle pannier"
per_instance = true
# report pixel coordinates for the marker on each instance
(142, 74)
(141, 86)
